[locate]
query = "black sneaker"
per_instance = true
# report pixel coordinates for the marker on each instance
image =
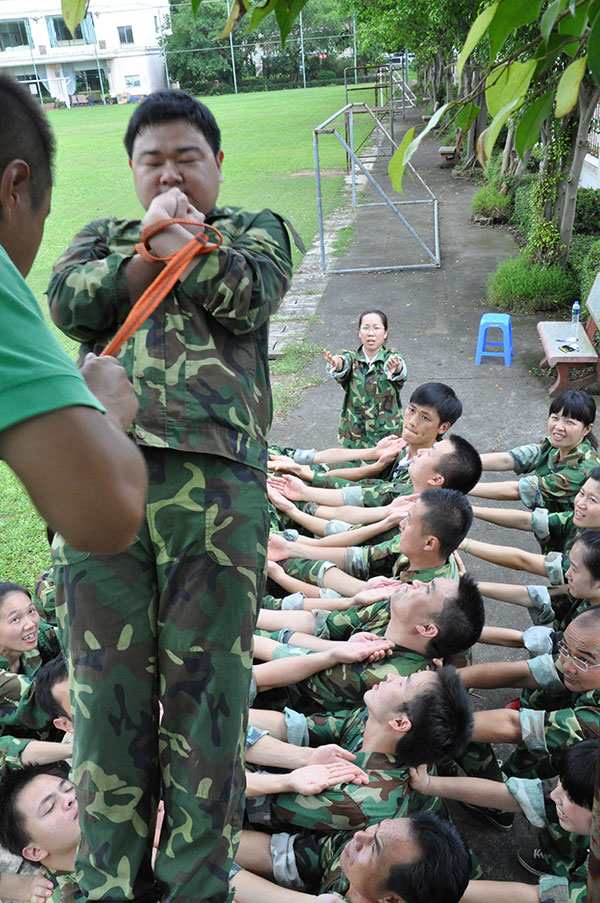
(503, 821)
(533, 861)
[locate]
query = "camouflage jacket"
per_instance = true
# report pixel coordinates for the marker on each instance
(199, 364)
(386, 559)
(546, 733)
(10, 753)
(346, 728)
(555, 531)
(318, 862)
(553, 483)
(372, 407)
(18, 709)
(367, 493)
(66, 889)
(350, 807)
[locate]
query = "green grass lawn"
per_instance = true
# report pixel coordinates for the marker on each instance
(269, 162)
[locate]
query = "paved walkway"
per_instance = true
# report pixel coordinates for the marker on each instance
(434, 319)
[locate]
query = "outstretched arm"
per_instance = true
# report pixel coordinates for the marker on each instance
(506, 556)
(507, 490)
(475, 791)
(505, 517)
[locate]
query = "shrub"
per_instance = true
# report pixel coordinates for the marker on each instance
(523, 287)
(492, 203)
(578, 251)
(589, 270)
(523, 217)
(587, 211)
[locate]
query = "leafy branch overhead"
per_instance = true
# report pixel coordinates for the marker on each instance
(286, 12)
(556, 53)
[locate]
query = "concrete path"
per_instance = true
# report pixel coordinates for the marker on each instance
(434, 320)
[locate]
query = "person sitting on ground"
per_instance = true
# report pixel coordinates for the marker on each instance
(557, 530)
(26, 642)
(400, 860)
(557, 606)
(371, 378)
(452, 463)
(574, 682)
(431, 531)
(557, 467)
(560, 809)
(432, 410)
(422, 621)
(427, 714)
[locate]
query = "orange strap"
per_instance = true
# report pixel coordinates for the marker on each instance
(166, 279)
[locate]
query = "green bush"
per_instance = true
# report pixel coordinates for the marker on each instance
(587, 211)
(578, 251)
(522, 217)
(492, 203)
(589, 270)
(523, 287)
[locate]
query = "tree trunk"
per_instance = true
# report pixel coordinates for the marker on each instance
(589, 96)
(480, 122)
(507, 153)
(522, 164)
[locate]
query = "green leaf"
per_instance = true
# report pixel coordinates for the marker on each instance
(467, 116)
(414, 144)
(567, 91)
(547, 55)
(73, 13)
(476, 32)
(549, 18)
(488, 138)
(196, 6)
(509, 16)
(508, 83)
(594, 50)
(259, 12)
(286, 13)
(574, 24)
(237, 12)
(528, 129)
(397, 164)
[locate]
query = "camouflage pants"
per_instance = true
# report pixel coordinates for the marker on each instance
(171, 620)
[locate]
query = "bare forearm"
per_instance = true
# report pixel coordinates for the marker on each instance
(500, 892)
(293, 620)
(317, 552)
(286, 671)
(497, 726)
(504, 517)
(477, 791)
(506, 592)
(497, 461)
(43, 752)
(506, 556)
(493, 675)
(507, 490)
(311, 523)
(502, 636)
(250, 888)
(338, 580)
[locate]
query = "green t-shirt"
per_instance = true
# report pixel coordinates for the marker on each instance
(36, 375)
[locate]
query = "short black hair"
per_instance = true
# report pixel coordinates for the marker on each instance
(589, 541)
(461, 468)
(13, 835)
(25, 135)
(460, 620)
(441, 873)
(167, 106)
(577, 404)
(594, 475)
(441, 398)
(577, 771)
(441, 719)
(374, 310)
(447, 515)
(7, 588)
(53, 672)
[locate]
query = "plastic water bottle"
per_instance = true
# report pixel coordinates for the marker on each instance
(574, 321)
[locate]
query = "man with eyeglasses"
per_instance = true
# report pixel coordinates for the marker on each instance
(571, 685)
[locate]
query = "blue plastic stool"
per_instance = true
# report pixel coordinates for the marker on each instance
(495, 321)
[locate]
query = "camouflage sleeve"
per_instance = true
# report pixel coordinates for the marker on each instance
(526, 457)
(347, 808)
(529, 793)
(17, 702)
(324, 729)
(243, 282)
(372, 561)
(10, 753)
(547, 733)
(339, 625)
(559, 486)
(88, 293)
(344, 375)
(560, 890)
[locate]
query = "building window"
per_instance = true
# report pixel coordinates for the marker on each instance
(60, 35)
(132, 81)
(125, 34)
(13, 34)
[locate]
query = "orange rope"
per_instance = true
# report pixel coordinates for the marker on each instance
(166, 279)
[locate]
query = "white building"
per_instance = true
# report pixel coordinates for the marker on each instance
(116, 48)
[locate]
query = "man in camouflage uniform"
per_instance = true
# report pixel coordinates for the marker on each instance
(572, 688)
(424, 621)
(421, 857)
(172, 618)
(405, 720)
(422, 548)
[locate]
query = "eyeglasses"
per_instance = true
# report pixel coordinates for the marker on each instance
(578, 663)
